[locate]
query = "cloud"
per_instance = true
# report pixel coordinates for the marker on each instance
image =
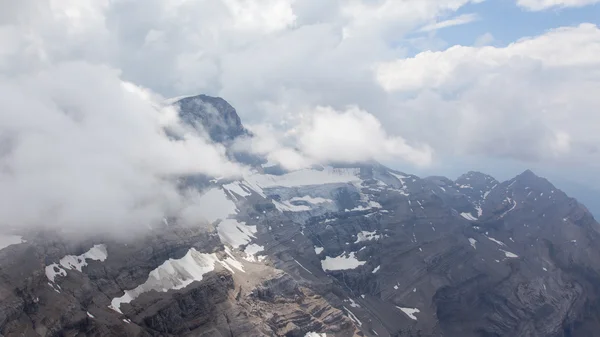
(434, 69)
(179, 47)
(87, 148)
(325, 135)
(81, 150)
(456, 21)
(532, 100)
(540, 5)
(484, 40)
(334, 81)
(353, 135)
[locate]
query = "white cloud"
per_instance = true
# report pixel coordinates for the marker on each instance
(456, 21)
(532, 100)
(435, 69)
(353, 135)
(88, 150)
(484, 40)
(82, 150)
(267, 16)
(274, 60)
(539, 5)
(325, 135)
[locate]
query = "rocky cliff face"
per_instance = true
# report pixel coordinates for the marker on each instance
(213, 115)
(342, 251)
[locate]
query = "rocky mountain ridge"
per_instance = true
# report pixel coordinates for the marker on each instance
(353, 250)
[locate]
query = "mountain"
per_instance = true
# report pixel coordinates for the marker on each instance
(585, 194)
(213, 115)
(216, 118)
(355, 250)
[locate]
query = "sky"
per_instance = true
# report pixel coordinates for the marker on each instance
(424, 86)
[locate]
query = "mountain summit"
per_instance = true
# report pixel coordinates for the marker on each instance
(213, 114)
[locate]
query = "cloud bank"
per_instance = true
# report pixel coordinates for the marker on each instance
(531, 100)
(82, 149)
(82, 140)
(539, 5)
(325, 135)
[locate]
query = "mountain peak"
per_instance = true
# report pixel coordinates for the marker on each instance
(476, 177)
(528, 174)
(213, 114)
(529, 180)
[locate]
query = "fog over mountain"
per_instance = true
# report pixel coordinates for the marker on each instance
(299, 168)
(407, 71)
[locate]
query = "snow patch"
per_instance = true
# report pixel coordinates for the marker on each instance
(303, 267)
(9, 240)
(514, 205)
(286, 206)
(342, 262)
(509, 254)
(410, 312)
(231, 262)
(370, 205)
(353, 303)
(173, 274)
(353, 317)
(400, 178)
(213, 205)
(468, 216)
(237, 188)
(473, 243)
(496, 241)
(318, 250)
(72, 262)
(251, 250)
(366, 236)
(309, 199)
(315, 334)
(479, 211)
(306, 177)
(376, 269)
(54, 270)
(235, 233)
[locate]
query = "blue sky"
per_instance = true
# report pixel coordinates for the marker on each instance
(507, 22)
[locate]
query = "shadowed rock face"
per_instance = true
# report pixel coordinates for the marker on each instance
(358, 250)
(217, 117)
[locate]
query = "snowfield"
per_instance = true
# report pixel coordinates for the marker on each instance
(306, 177)
(173, 274)
(410, 312)
(341, 262)
(72, 262)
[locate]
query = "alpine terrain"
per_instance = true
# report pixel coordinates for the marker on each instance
(338, 250)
